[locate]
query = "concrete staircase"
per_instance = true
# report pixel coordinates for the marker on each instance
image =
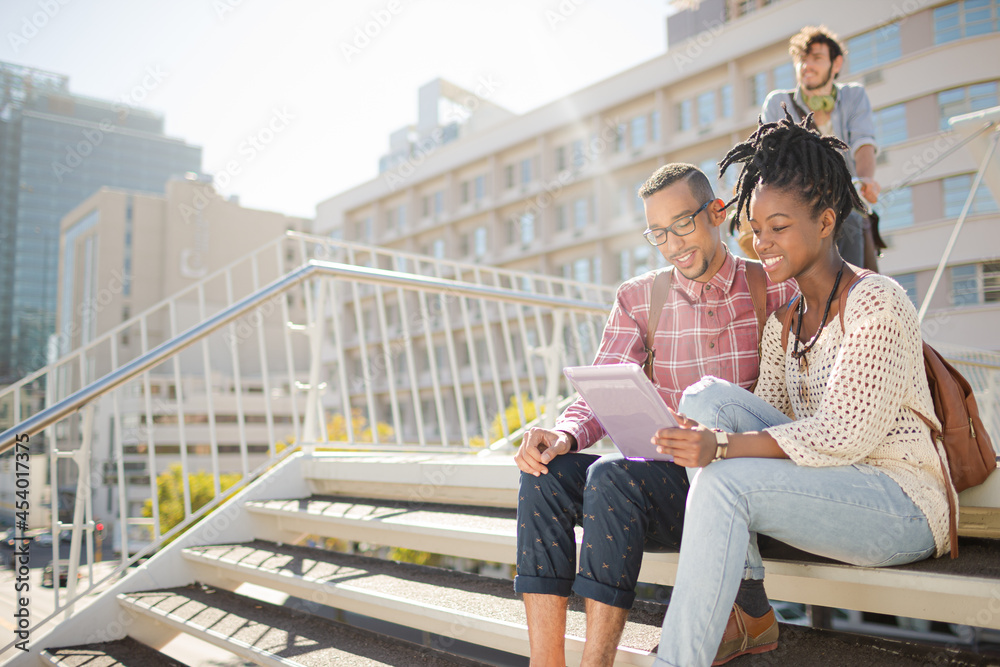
(349, 609)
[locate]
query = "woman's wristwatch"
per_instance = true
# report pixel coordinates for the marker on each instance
(722, 444)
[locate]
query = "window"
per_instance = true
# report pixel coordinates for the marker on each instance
(967, 99)
(581, 270)
(479, 187)
(578, 155)
(425, 206)
(654, 126)
(956, 191)
(966, 19)
(580, 213)
(964, 285)
(895, 210)
(509, 175)
(560, 158)
(784, 76)
(908, 281)
(620, 137)
(726, 100)
(363, 230)
(437, 249)
(874, 48)
(890, 125)
(438, 203)
(638, 207)
(527, 228)
(758, 89)
(706, 108)
(991, 282)
(464, 187)
(638, 130)
(560, 217)
(390, 220)
(684, 119)
(526, 171)
(479, 241)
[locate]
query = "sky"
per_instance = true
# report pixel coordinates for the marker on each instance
(324, 82)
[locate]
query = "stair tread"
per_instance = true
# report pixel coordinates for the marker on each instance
(471, 594)
(462, 517)
(125, 652)
(980, 556)
(298, 637)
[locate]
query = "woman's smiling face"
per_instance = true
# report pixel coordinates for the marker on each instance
(787, 236)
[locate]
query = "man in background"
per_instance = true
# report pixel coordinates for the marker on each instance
(842, 110)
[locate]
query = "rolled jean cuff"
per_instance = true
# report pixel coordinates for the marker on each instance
(753, 573)
(543, 585)
(609, 595)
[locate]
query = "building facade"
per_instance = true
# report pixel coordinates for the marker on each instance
(553, 191)
(56, 149)
(123, 253)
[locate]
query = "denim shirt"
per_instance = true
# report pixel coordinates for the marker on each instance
(851, 116)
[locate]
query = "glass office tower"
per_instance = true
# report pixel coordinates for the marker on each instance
(56, 149)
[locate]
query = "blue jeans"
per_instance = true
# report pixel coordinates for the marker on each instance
(852, 513)
(625, 507)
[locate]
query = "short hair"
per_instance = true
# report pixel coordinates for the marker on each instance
(794, 158)
(669, 174)
(801, 42)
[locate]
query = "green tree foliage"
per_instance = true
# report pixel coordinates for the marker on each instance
(513, 416)
(170, 494)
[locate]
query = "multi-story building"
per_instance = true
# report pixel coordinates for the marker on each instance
(124, 253)
(57, 148)
(553, 191)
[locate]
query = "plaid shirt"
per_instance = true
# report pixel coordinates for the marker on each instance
(705, 329)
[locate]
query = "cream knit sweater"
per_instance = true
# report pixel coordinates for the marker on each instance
(851, 403)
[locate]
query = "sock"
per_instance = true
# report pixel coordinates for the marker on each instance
(752, 598)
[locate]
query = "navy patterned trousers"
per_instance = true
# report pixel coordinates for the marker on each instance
(624, 506)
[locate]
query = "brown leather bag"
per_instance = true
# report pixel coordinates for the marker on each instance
(966, 444)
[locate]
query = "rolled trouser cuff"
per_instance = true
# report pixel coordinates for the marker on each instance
(543, 585)
(609, 595)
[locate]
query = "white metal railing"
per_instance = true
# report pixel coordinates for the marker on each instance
(200, 376)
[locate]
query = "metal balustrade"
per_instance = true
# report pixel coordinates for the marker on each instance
(188, 399)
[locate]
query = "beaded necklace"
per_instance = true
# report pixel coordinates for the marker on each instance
(799, 355)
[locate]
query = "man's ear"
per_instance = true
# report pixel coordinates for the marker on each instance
(828, 222)
(837, 65)
(717, 212)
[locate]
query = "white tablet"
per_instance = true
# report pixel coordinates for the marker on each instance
(626, 404)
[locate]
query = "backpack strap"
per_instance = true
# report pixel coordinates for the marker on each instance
(758, 294)
(786, 324)
(661, 288)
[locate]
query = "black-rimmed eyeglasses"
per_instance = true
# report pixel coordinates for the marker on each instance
(682, 227)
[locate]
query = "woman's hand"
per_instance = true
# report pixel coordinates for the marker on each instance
(692, 445)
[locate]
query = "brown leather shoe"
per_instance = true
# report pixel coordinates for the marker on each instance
(745, 634)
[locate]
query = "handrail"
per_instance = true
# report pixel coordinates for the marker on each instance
(157, 355)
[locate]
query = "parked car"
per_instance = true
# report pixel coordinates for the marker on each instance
(63, 573)
(43, 539)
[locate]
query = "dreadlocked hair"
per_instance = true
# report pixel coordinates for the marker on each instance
(793, 157)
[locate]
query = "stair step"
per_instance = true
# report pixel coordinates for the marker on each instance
(468, 607)
(269, 634)
(122, 653)
(481, 533)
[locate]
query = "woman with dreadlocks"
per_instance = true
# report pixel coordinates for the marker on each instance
(828, 453)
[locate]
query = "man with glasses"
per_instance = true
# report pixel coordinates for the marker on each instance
(708, 326)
